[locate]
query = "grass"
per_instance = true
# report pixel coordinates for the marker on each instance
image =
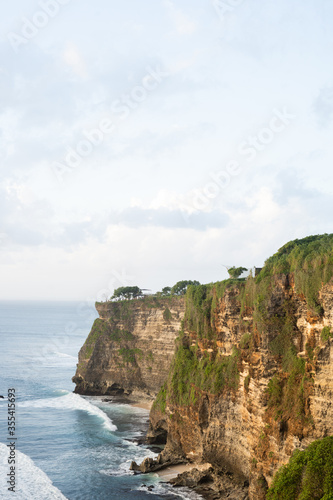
(213, 375)
(98, 329)
(326, 334)
(310, 260)
(130, 355)
(160, 400)
(167, 316)
(200, 367)
(118, 335)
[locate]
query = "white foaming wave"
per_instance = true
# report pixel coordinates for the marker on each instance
(71, 401)
(124, 468)
(162, 489)
(32, 483)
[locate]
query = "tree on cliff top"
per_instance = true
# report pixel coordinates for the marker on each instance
(126, 292)
(181, 286)
(235, 272)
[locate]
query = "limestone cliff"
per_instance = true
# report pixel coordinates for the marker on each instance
(130, 346)
(252, 378)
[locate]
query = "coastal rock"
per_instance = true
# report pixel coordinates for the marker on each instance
(249, 427)
(130, 347)
(250, 380)
(212, 485)
(152, 465)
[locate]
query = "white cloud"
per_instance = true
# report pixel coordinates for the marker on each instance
(74, 60)
(183, 23)
(131, 203)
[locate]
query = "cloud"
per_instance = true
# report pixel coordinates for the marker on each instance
(183, 24)
(163, 217)
(74, 60)
(29, 221)
(323, 107)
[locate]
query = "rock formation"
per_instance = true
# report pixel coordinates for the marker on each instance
(251, 379)
(130, 346)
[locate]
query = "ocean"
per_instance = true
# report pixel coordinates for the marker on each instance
(64, 446)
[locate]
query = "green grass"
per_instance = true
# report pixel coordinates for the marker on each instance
(98, 329)
(160, 400)
(311, 261)
(167, 316)
(206, 374)
(130, 355)
(326, 334)
(118, 335)
(307, 476)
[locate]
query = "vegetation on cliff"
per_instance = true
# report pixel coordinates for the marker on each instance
(98, 329)
(262, 310)
(311, 262)
(196, 369)
(307, 476)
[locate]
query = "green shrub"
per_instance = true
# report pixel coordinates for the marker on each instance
(307, 476)
(99, 328)
(129, 355)
(245, 341)
(326, 334)
(167, 316)
(160, 400)
(311, 261)
(211, 375)
(117, 335)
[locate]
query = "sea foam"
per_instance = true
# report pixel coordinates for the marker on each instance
(71, 401)
(32, 483)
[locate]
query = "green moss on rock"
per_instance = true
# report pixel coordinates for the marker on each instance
(98, 329)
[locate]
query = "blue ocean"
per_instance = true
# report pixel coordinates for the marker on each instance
(67, 446)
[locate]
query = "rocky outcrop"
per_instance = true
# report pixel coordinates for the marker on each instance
(212, 484)
(250, 381)
(130, 347)
(259, 378)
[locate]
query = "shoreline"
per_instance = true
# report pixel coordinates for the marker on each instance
(172, 471)
(144, 405)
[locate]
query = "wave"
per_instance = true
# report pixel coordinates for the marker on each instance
(71, 401)
(164, 489)
(123, 470)
(139, 453)
(32, 483)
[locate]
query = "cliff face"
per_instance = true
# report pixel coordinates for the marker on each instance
(130, 346)
(252, 378)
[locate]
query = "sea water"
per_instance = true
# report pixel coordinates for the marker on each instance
(67, 446)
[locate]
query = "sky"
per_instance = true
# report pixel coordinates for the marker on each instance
(143, 143)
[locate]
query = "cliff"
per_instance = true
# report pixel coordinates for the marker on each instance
(130, 346)
(250, 381)
(252, 377)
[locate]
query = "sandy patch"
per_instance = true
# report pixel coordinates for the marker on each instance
(146, 405)
(174, 470)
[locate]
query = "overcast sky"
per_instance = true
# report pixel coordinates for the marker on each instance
(146, 142)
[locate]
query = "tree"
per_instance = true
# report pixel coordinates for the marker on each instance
(166, 291)
(126, 292)
(181, 286)
(235, 272)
